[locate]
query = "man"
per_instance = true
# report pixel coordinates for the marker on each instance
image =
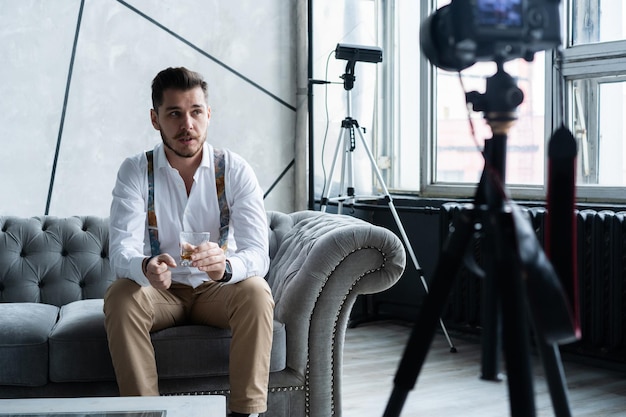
(223, 288)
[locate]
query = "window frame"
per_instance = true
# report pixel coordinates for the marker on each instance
(580, 62)
(574, 63)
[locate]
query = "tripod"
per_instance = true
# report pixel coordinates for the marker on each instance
(520, 285)
(349, 126)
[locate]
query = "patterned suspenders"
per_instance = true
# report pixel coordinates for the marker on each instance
(153, 230)
(220, 184)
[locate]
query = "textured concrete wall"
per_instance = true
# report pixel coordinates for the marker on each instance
(103, 54)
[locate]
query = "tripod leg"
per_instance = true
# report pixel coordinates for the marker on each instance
(329, 180)
(551, 325)
(515, 329)
(407, 243)
(491, 316)
(492, 331)
(555, 376)
(434, 303)
(405, 238)
(348, 158)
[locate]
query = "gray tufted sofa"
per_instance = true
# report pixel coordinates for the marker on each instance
(54, 272)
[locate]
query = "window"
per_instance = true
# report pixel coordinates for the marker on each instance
(430, 146)
(594, 68)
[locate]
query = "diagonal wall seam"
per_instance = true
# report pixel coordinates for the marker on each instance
(207, 55)
(63, 112)
(280, 177)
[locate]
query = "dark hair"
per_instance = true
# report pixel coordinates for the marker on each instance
(177, 78)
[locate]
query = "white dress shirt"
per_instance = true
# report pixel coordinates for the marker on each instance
(248, 247)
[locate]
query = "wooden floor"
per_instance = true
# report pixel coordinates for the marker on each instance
(448, 384)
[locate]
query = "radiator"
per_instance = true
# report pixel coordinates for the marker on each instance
(601, 258)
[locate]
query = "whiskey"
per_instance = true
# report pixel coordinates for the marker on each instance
(185, 254)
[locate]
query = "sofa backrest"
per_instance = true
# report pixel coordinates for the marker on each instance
(53, 260)
(279, 225)
(56, 261)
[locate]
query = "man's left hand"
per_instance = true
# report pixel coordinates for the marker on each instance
(210, 258)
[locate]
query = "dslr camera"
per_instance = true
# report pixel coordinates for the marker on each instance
(464, 32)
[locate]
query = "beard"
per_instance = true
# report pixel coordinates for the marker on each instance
(183, 151)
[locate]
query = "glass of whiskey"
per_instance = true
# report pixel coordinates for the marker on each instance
(188, 243)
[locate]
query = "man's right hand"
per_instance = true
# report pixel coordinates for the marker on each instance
(158, 271)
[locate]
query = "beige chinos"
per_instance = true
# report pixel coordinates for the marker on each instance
(246, 307)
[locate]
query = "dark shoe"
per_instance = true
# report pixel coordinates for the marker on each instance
(233, 414)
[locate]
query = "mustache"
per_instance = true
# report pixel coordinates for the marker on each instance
(186, 136)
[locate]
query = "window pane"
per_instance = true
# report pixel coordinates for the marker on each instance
(598, 21)
(599, 129)
(458, 157)
(405, 159)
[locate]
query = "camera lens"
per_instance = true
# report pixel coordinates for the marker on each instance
(439, 43)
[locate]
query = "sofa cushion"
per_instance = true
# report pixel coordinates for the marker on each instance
(79, 349)
(194, 350)
(24, 331)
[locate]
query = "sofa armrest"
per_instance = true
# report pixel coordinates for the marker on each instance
(321, 262)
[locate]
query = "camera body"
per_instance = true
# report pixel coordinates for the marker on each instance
(467, 31)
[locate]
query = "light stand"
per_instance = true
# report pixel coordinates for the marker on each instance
(349, 126)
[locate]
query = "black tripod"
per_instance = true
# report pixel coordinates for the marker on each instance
(520, 285)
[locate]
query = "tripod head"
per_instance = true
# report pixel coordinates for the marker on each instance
(353, 54)
(348, 77)
(499, 102)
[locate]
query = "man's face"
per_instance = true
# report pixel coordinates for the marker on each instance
(182, 120)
